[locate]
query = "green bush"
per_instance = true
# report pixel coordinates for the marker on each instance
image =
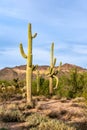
(43, 87)
(77, 83)
(34, 87)
(5, 83)
(44, 90)
(63, 87)
(72, 85)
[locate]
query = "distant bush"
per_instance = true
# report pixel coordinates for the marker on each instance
(5, 83)
(43, 87)
(72, 85)
(9, 89)
(63, 87)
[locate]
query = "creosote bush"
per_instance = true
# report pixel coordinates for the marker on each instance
(12, 116)
(40, 122)
(54, 125)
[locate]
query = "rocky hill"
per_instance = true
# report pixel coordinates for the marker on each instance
(20, 71)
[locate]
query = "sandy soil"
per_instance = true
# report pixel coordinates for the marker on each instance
(62, 109)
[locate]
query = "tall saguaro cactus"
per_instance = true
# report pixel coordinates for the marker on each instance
(29, 63)
(52, 72)
(52, 64)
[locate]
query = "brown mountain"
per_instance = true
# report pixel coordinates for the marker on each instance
(20, 72)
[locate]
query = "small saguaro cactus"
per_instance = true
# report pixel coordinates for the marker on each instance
(29, 67)
(38, 81)
(52, 72)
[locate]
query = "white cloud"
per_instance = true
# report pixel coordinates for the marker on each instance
(11, 57)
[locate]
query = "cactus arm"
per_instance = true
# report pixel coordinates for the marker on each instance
(48, 75)
(59, 66)
(57, 81)
(34, 67)
(34, 35)
(56, 72)
(22, 51)
(54, 62)
(51, 72)
(52, 55)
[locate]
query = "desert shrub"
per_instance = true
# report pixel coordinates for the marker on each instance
(43, 87)
(73, 85)
(34, 87)
(54, 125)
(7, 92)
(76, 83)
(84, 94)
(11, 116)
(5, 83)
(63, 87)
(18, 83)
(8, 89)
(41, 122)
(3, 129)
(44, 90)
(35, 119)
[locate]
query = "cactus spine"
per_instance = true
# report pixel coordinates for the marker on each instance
(52, 73)
(29, 63)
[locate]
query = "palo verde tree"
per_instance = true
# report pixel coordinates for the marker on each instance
(29, 67)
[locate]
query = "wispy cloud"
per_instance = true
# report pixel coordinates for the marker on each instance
(80, 49)
(12, 57)
(62, 22)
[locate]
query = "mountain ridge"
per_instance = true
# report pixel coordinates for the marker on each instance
(8, 73)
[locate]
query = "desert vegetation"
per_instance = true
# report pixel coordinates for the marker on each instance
(65, 109)
(56, 100)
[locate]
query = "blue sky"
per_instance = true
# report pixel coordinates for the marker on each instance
(63, 22)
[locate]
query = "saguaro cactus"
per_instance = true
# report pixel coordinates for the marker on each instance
(52, 72)
(38, 81)
(29, 63)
